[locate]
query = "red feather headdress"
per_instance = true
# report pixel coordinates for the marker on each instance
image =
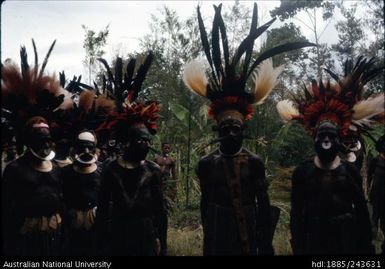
(125, 93)
(341, 103)
(28, 92)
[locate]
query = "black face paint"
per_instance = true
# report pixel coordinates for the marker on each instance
(41, 143)
(136, 148)
(85, 152)
(350, 144)
(327, 142)
(231, 137)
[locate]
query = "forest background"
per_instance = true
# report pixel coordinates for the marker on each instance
(184, 122)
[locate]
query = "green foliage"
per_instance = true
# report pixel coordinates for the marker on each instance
(350, 34)
(290, 8)
(319, 56)
(294, 61)
(93, 44)
(237, 19)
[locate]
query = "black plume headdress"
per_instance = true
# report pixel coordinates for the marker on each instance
(125, 90)
(225, 84)
(124, 86)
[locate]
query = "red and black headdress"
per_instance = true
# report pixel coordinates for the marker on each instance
(125, 90)
(225, 85)
(341, 102)
(29, 92)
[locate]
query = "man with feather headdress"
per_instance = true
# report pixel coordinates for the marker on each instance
(352, 145)
(32, 193)
(131, 209)
(232, 178)
(82, 178)
(328, 209)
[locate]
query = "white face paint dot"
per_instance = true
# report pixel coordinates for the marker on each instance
(326, 145)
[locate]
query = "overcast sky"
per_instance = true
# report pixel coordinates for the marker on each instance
(61, 20)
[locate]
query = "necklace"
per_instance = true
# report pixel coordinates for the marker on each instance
(230, 155)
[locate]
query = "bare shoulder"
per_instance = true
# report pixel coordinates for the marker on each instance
(253, 157)
(153, 166)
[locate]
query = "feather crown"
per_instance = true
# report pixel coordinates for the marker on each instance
(28, 92)
(223, 84)
(125, 90)
(341, 102)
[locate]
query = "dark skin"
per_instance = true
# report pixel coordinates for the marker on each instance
(234, 182)
(376, 185)
(166, 163)
(81, 184)
(167, 168)
(31, 192)
(328, 210)
(131, 199)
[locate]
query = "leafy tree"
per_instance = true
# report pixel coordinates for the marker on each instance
(93, 44)
(290, 9)
(237, 18)
(374, 22)
(350, 34)
(294, 61)
(174, 43)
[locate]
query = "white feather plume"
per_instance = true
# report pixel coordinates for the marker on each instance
(67, 102)
(194, 76)
(265, 80)
(286, 110)
(364, 110)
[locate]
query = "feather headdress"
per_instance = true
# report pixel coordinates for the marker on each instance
(340, 102)
(223, 79)
(29, 92)
(124, 88)
(89, 113)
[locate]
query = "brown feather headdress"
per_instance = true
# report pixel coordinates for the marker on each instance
(29, 92)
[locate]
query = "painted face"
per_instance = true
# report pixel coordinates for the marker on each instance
(327, 142)
(41, 144)
(11, 153)
(136, 147)
(85, 148)
(231, 135)
(350, 143)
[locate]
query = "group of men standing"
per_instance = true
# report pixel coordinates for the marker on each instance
(71, 203)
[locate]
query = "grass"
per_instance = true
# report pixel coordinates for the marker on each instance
(185, 242)
(185, 235)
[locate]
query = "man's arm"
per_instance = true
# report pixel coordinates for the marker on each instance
(103, 220)
(160, 213)
(296, 214)
(363, 218)
(264, 227)
(173, 170)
